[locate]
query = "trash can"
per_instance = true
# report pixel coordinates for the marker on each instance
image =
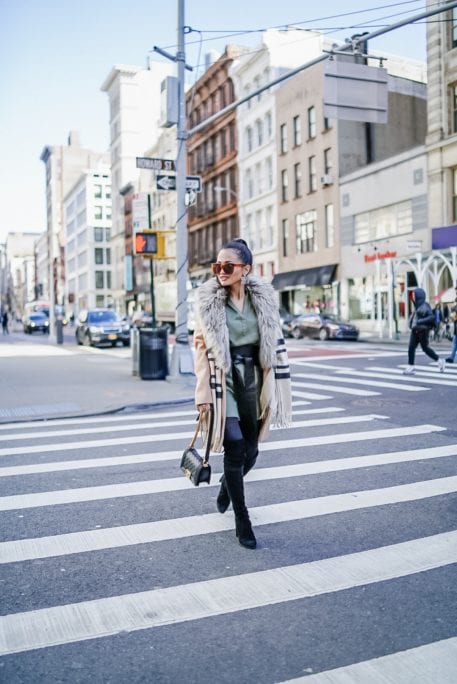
(153, 353)
(135, 347)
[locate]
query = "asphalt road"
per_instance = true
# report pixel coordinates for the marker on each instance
(114, 568)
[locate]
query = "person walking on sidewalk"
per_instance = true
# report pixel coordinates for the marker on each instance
(5, 323)
(453, 319)
(242, 371)
(421, 322)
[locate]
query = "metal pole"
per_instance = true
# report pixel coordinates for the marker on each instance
(153, 304)
(181, 360)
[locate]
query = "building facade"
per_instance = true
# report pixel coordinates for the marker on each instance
(279, 51)
(88, 254)
(315, 153)
(64, 164)
(212, 154)
(134, 105)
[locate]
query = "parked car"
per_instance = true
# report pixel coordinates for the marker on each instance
(323, 327)
(36, 321)
(96, 326)
(285, 319)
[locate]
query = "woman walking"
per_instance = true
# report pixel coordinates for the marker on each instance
(242, 371)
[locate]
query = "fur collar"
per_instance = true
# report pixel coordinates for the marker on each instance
(211, 301)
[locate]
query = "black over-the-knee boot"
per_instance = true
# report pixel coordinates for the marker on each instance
(234, 459)
(223, 498)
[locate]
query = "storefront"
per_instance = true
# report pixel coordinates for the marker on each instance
(309, 289)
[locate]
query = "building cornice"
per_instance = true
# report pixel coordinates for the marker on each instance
(117, 70)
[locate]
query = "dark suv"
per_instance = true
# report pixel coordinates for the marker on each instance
(96, 326)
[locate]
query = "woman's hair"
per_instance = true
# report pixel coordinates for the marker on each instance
(240, 246)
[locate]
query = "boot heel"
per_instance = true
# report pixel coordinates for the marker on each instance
(243, 531)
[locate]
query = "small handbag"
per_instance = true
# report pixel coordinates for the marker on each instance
(196, 468)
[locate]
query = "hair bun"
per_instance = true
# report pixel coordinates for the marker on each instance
(243, 242)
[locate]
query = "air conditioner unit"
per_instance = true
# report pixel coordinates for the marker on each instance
(326, 179)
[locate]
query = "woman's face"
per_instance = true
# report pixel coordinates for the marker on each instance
(230, 256)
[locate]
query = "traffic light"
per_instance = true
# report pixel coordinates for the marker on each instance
(146, 243)
(151, 243)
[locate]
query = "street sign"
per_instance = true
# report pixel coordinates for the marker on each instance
(155, 164)
(140, 210)
(166, 182)
(194, 183)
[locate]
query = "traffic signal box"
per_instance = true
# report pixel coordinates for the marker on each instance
(151, 243)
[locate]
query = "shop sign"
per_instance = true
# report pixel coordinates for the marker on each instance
(379, 255)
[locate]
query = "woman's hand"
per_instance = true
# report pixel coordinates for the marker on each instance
(203, 408)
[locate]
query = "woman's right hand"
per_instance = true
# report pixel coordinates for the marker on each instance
(203, 408)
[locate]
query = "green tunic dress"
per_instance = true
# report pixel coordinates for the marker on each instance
(243, 328)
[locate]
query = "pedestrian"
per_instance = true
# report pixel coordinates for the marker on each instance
(421, 322)
(453, 319)
(242, 371)
(5, 323)
(438, 319)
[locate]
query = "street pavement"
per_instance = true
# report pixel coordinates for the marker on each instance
(113, 568)
(42, 380)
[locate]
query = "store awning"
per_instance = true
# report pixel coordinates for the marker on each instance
(310, 277)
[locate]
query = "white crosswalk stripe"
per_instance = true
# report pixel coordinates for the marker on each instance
(328, 447)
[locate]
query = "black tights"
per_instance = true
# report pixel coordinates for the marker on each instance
(234, 433)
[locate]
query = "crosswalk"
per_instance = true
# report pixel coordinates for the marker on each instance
(112, 566)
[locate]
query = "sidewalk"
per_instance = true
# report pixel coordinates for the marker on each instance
(41, 381)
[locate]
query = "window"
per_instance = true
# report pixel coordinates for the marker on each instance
(284, 185)
(327, 123)
(97, 190)
(329, 226)
(98, 212)
(269, 227)
(395, 219)
(249, 184)
(305, 225)
(269, 172)
(258, 178)
(268, 125)
(100, 301)
(108, 255)
(311, 122)
(297, 130)
(259, 132)
(107, 234)
(108, 280)
(81, 218)
(297, 180)
(108, 192)
(312, 174)
(454, 195)
(454, 108)
(98, 255)
(99, 280)
(283, 138)
(327, 161)
(249, 139)
(98, 234)
(285, 236)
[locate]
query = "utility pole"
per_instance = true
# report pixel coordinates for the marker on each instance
(181, 360)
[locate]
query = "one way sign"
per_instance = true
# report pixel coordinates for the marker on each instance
(165, 182)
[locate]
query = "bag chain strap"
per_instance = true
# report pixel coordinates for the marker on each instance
(201, 420)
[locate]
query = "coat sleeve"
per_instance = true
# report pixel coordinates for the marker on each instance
(202, 389)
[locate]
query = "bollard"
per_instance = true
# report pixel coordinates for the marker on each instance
(135, 347)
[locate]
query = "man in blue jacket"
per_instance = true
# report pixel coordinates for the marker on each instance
(421, 322)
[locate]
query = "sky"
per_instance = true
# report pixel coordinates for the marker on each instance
(55, 54)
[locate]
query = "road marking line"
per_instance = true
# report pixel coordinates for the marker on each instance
(435, 662)
(163, 530)
(341, 390)
(64, 496)
(310, 395)
(37, 448)
(132, 459)
(138, 426)
(172, 605)
(354, 381)
(405, 378)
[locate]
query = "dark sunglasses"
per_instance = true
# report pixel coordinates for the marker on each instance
(227, 267)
